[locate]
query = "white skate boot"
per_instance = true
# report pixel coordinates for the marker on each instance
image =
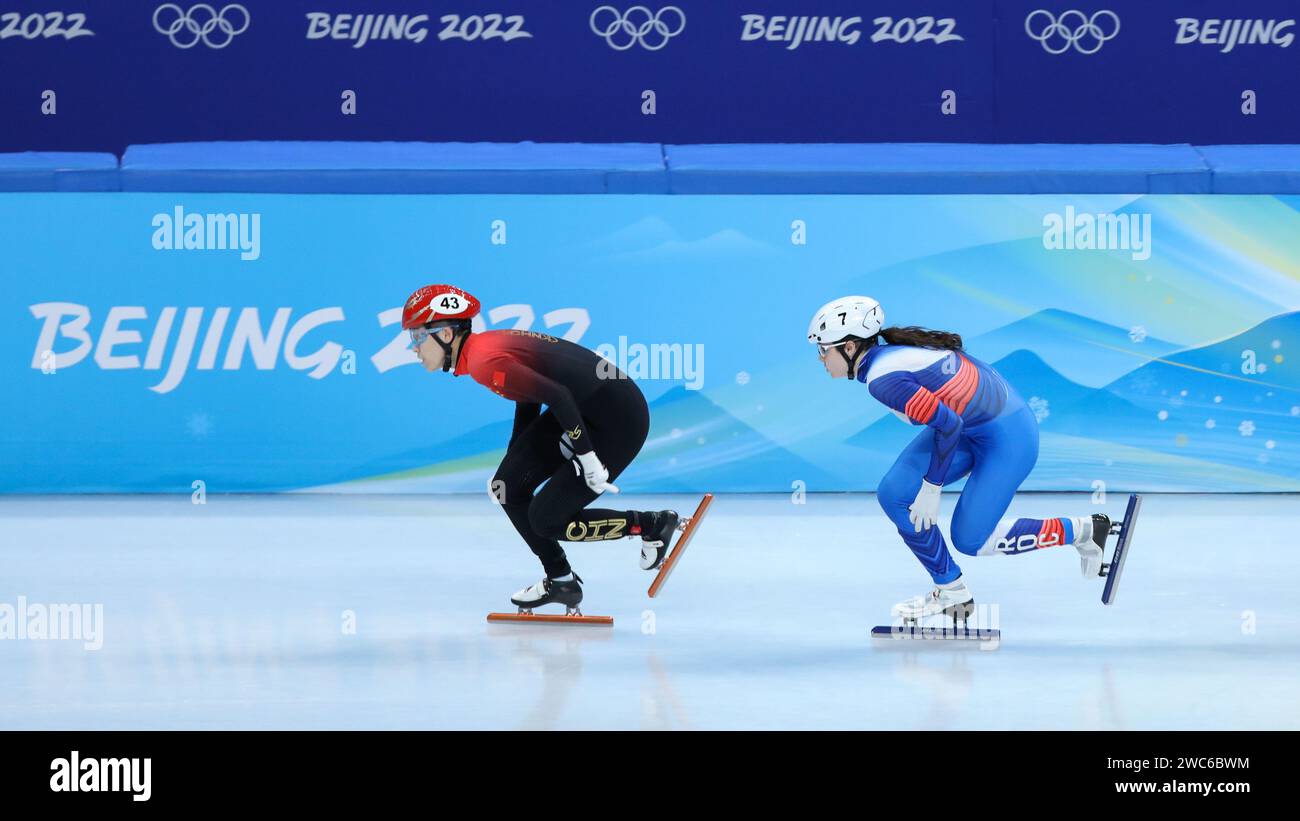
(952, 599)
(1090, 541)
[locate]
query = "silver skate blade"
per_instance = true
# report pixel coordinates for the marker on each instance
(916, 637)
(1120, 555)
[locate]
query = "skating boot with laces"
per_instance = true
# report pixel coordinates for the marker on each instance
(952, 599)
(551, 591)
(657, 531)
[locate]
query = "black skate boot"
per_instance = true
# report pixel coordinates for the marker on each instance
(550, 591)
(657, 530)
(1100, 529)
(1092, 551)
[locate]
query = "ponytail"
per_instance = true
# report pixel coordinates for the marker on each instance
(922, 338)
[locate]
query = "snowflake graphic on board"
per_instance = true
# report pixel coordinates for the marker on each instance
(199, 425)
(1137, 333)
(1142, 382)
(1246, 428)
(1040, 408)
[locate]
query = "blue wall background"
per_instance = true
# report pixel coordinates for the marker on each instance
(1172, 370)
(129, 80)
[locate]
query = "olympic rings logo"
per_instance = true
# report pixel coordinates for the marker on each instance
(1072, 28)
(638, 25)
(187, 28)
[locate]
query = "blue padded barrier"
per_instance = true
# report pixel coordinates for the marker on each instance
(58, 171)
(1253, 169)
(935, 168)
(475, 168)
(396, 168)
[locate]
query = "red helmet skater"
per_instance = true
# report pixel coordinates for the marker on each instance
(438, 306)
(436, 303)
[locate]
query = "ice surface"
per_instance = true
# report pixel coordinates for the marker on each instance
(232, 614)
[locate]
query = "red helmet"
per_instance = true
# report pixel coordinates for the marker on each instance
(438, 303)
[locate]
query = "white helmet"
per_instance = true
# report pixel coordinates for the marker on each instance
(847, 316)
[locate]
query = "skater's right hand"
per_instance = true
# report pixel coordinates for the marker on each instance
(594, 473)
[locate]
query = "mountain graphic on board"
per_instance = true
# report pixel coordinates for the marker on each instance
(1235, 401)
(1093, 353)
(1178, 407)
(1265, 355)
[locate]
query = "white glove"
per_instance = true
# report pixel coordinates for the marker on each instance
(925, 510)
(594, 473)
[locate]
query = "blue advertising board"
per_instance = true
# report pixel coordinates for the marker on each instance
(102, 74)
(251, 341)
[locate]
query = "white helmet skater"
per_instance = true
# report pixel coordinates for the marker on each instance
(843, 319)
(859, 316)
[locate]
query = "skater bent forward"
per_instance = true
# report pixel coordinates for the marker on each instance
(974, 424)
(594, 424)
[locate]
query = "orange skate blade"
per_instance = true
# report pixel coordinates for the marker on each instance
(678, 549)
(543, 618)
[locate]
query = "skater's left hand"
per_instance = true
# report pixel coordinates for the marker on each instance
(924, 512)
(594, 473)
